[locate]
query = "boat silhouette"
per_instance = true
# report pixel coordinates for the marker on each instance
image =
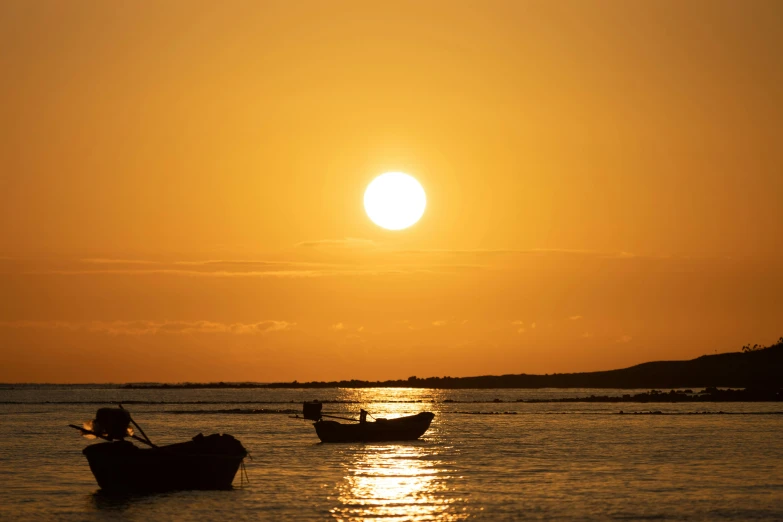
(202, 463)
(381, 430)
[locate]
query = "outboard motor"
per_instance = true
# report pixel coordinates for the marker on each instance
(312, 410)
(112, 423)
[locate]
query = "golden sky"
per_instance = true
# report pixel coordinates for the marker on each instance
(181, 187)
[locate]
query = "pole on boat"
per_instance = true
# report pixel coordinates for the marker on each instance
(146, 439)
(312, 411)
(85, 431)
(337, 417)
(324, 415)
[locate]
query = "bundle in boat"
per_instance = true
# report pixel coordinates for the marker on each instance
(204, 462)
(381, 430)
(312, 410)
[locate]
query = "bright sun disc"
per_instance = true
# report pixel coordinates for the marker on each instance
(394, 200)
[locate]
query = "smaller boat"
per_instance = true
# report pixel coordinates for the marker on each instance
(382, 430)
(118, 465)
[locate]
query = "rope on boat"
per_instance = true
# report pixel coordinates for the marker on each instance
(243, 475)
(147, 441)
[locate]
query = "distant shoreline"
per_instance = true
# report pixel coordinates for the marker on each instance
(758, 369)
(709, 395)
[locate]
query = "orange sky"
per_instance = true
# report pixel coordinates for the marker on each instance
(181, 187)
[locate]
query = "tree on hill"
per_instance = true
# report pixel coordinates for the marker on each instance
(756, 347)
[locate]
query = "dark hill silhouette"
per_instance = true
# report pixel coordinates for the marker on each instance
(755, 367)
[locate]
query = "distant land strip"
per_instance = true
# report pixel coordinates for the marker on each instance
(754, 367)
(653, 396)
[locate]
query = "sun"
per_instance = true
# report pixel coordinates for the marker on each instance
(394, 200)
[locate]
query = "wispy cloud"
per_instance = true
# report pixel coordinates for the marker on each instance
(156, 327)
(575, 318)
(113, 261)
(348, 242)
(237, 262)
(237, 268)
(624, 339)
(293, 273)
(191, 273)
(522, 324)
(376, 260)
(337, 327)
(531, 251)
(441, 322)
(200, 263)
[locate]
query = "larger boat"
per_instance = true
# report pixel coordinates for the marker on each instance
(381, 430)
(205, 462)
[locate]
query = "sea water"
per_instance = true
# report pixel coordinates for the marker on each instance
(486, 456)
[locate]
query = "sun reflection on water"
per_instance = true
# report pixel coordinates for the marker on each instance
(398, 482)
(402, 481)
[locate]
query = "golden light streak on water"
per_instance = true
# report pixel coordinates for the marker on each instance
(396, 482)
(402, 481)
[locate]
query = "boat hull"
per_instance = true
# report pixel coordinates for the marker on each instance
(210, 463)
(382, 430)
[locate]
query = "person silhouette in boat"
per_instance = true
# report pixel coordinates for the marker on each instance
(362, 417)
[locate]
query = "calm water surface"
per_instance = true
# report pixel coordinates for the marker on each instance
(480, 459)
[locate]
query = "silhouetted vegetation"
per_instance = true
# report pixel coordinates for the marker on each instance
(757, 368)
(711, 394)
(757, 347)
